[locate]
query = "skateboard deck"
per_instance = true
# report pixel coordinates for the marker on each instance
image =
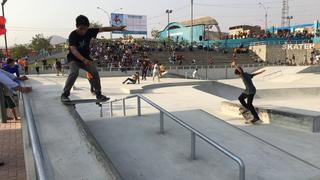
(246, 114)
(83, 101)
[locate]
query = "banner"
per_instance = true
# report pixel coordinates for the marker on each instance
(136, 24)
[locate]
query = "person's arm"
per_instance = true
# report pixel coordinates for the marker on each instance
(11, 84)
(9, 75)
(7, 81)
(113, 28)
(257, 73)
(76, 53)
(234, 64)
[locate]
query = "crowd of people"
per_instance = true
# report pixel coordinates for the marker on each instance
(279, 34)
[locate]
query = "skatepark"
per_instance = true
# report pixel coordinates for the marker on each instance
(141, 133)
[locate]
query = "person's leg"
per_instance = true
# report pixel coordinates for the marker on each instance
(73, 75)
(126, 81)
(252, 108)
(92, 87)
(242, 98)
(14, 114)
(131, 81)
(96, 80)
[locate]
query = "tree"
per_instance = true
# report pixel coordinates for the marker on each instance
(155, 33)
(40, 43)
(19, 51)
(95, 24)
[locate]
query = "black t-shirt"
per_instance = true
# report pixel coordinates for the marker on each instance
(247, 80)
(82, 43)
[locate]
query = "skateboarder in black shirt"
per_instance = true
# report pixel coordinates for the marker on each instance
(79, 56)
(249, 92)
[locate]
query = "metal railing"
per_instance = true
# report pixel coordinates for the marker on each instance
(194, 133)
(34, 139)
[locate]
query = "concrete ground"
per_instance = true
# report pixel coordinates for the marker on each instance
(268, 151)
(11, 151)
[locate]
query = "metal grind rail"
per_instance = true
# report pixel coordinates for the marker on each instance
(194, 133)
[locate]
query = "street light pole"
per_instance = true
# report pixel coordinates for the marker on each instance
(109, 16)
(168, 11)
(5, 35)
(266, 15)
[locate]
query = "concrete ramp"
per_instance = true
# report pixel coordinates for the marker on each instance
(139, 151)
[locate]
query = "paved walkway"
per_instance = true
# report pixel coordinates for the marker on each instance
(11, 151)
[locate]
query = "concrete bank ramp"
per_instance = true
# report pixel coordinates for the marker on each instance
(138, 151)
(68, 154)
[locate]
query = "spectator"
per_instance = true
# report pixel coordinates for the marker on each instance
(26, 67)
(144, 69)
(293, 61)
(156, 71)
(58, 67)
(11, 67)
(162, 70)
(195, 74)
(36, 64)
(44, 63)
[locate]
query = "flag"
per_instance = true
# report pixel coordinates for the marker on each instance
(3, 29)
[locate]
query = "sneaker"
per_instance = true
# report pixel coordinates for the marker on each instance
(101, 97)
(64, 98)
(255, 120)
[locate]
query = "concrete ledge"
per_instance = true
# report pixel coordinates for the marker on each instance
(297, 119)
(135, 89)
(101, 156)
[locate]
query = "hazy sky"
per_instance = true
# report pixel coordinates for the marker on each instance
(25, 18)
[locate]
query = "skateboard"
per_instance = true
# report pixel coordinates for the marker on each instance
(83, 101)
(246, 114)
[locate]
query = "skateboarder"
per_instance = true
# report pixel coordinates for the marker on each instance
(249, 92)
(79, 56)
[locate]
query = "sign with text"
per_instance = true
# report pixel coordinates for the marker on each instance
(136, 24)
(306, 46)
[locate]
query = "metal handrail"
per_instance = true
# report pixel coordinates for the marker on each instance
(194, 132)
(34, 139)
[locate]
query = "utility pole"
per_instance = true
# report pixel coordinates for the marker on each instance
(5, 35)
(191, 31)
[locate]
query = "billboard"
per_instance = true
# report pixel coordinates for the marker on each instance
(136, 24)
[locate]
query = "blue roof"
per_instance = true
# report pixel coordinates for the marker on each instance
(295, 26)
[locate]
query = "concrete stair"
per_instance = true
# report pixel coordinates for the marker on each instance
(202, 57)
(139, 151)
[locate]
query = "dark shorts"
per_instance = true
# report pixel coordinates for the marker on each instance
(9, 104)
